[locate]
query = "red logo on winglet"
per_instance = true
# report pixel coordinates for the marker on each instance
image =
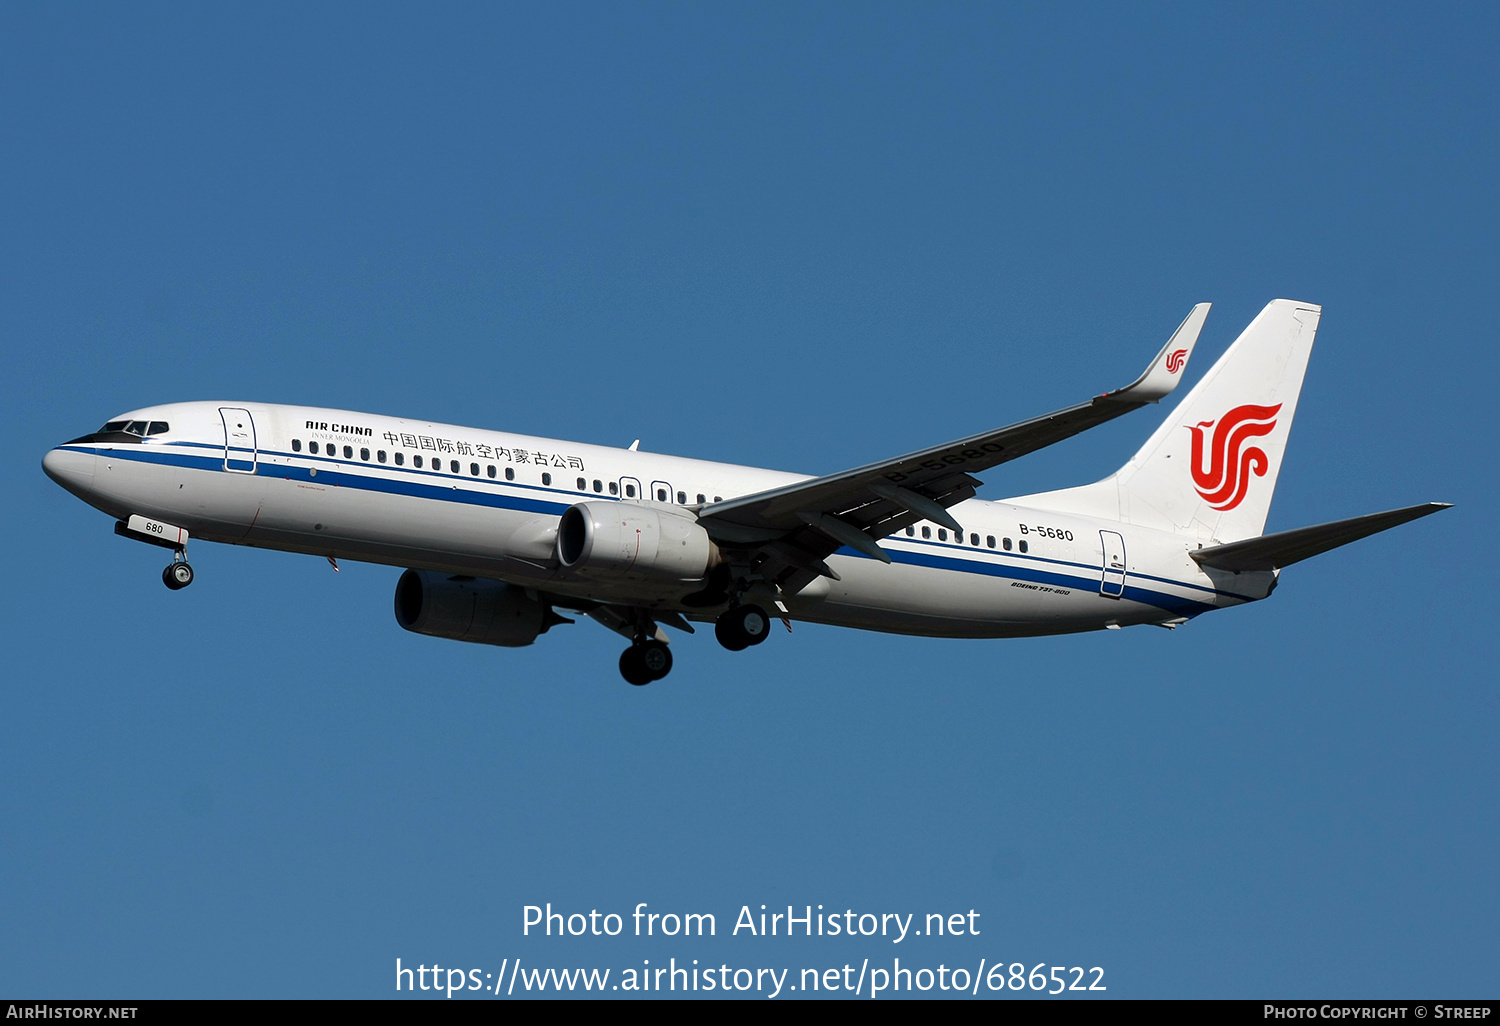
(1175, 360)
(1223, 483)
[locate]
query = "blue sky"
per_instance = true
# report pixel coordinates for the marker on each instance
(799, 236)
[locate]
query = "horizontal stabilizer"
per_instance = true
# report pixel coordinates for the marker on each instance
(1274, 551)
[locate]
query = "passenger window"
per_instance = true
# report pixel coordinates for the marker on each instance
(661, 495)
(312, 447)
(973, 539)
(926, 532)
(630, 491)
(682, 498)
(989, 540)
(911, 532)
(546, 478)
(582, 485)
(364, 454)
(510, 473)
(717, 499)
(1023, 544)
(1006, 542)
(348, 452)
(701, 498)
(296, 445)
(614, 489)
(453, 466)
(490, 470)
(158, 427)
(473, 470)
(380, 455)
(416, 461)
(400, 459)
(942, 534)
(598, 485)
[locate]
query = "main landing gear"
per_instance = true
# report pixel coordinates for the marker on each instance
(649, 659)
(178, 574)
(739, 627)
(645, 661)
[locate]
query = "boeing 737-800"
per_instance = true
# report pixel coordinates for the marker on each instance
(498, 531)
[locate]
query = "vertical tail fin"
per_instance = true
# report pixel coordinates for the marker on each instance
(1210, 469)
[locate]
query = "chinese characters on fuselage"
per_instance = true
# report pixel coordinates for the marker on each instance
(489, 452)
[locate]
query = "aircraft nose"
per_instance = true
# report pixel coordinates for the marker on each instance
(70, 468)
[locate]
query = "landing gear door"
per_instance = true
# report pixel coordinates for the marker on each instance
(239, 440)
(1112, 583)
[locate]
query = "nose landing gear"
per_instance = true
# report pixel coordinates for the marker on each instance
(645, 661)
(178, 574)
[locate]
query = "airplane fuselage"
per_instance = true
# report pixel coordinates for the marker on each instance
(486, 504)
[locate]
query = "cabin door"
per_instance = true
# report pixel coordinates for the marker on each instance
(239, 440)
(1112, 580)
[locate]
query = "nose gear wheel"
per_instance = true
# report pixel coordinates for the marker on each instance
(177, 576)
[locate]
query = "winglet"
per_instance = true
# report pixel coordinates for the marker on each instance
(1166, 370)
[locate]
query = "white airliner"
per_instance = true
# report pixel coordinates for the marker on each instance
(500, 530)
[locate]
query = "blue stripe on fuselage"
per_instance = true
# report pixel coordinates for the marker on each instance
(1171, 603)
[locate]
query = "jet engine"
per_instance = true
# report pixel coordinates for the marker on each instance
(620, 539)
(471, 609)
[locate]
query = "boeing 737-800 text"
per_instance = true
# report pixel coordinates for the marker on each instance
(498, 531)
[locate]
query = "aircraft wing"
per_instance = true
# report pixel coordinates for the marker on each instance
(799, 525)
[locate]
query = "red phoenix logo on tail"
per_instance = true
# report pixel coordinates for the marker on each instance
(1174, 361)
(1224, 481)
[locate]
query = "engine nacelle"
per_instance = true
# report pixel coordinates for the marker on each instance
(470, 609)
(622, 539)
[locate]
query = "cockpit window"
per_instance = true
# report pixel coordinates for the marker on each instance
(132, 431)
